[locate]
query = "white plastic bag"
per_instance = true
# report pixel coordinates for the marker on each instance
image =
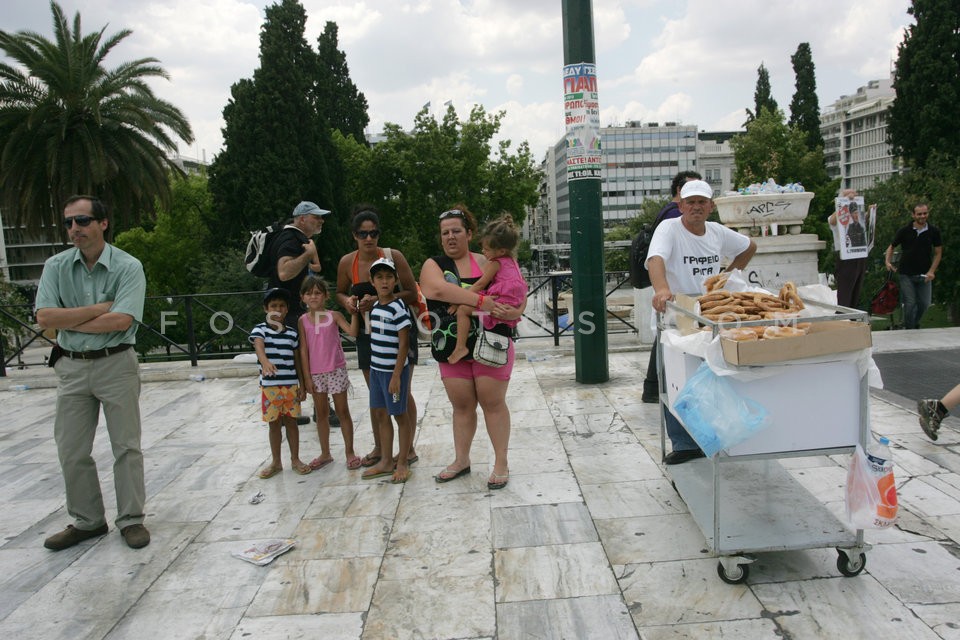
(866, 508)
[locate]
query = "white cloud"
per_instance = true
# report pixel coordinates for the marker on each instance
(658, 60)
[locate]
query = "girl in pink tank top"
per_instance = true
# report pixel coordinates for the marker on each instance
(324, 366)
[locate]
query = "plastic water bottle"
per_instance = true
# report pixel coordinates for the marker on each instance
(881, 467)
(197, 377)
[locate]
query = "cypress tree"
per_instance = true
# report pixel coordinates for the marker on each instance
(761, 95)
(927, 84)
(338, 99)
(805, 106)
(277, 149)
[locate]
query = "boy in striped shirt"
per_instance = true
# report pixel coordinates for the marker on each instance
(281, 380)
(390, 336)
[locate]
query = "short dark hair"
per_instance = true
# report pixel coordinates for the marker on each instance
(97, 208)
(680, 179)
(363, 213)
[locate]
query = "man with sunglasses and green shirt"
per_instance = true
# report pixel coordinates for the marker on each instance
(93, 295)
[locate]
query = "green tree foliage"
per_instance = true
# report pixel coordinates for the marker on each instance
(927, 82)
(805, 106)
(938, 185)
(762, 98)
(277, 145)
(70, 125)
(178, 237)
(413, 176)
(15, 313)
(772, 149)
(337, 97)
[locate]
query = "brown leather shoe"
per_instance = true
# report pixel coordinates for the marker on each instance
(136, 536)
(71, 536)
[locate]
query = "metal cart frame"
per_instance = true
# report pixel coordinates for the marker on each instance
(745, 504)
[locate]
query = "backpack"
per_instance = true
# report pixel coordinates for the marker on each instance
(639, 277)
(259, 258)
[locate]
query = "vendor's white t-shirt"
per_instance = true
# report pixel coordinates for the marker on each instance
(690, 259)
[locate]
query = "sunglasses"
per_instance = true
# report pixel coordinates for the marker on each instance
(452, 213)
(83, 221)
(364, 234)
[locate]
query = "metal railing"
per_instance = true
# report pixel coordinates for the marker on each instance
(207, 326)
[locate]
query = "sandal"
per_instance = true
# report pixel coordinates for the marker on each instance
(498, 482)
(354, 463)
(317, 463)
(369, 461)
(400, 479)
(269, 472)
(303, 469)
(447, 475)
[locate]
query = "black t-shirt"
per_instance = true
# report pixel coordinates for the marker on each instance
(917, 254)
(289, 242)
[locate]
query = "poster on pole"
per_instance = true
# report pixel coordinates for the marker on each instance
(581, 106)
(855, 227)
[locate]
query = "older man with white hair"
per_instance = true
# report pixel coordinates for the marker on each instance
(683, 253)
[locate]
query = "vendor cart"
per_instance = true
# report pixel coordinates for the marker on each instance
(742, 498)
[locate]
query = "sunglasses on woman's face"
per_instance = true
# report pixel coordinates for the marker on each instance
(364, 234)
(83, 221)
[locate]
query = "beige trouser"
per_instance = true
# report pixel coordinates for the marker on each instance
(112, 382)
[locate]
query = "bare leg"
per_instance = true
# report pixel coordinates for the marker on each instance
(463, 397)
(322, 406)
(276, 438)
(952, 399)
(375, 426)
(404, 433)
(346, 423)
(492, 394)
(385, 464)
(463, 332)
(293, 442)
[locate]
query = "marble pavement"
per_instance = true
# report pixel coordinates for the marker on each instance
(589, 540)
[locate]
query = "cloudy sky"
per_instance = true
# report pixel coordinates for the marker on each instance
(694, 62)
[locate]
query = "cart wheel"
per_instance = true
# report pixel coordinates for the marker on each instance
(848, 567)
(738, 576)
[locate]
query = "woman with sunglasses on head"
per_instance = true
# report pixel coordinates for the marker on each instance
(469, 384)
(355, 291)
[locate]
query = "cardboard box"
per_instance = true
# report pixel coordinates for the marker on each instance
(836, 336)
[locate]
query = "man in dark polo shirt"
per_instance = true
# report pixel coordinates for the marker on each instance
(922, 248)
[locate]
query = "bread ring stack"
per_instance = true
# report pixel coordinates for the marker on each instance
(720, 305)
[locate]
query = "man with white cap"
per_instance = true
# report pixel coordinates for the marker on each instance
(683, 253)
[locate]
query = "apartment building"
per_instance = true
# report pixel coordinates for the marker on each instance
(854, 130)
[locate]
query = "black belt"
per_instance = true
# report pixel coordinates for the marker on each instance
(99, 353)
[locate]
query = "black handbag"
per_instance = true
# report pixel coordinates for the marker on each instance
(887, 298)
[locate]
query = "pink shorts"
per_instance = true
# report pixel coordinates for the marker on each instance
(336, 381)
(468, 369)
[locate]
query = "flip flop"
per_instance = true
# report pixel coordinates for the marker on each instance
(452, 475)
(269, 472)
(354, 463)
(317, 463)
(498, 482)
(366, 475)
(303, 469)
(410, 460)
(369, 461)
(408, 475)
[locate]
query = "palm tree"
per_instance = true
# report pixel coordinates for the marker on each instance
(69, 125)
